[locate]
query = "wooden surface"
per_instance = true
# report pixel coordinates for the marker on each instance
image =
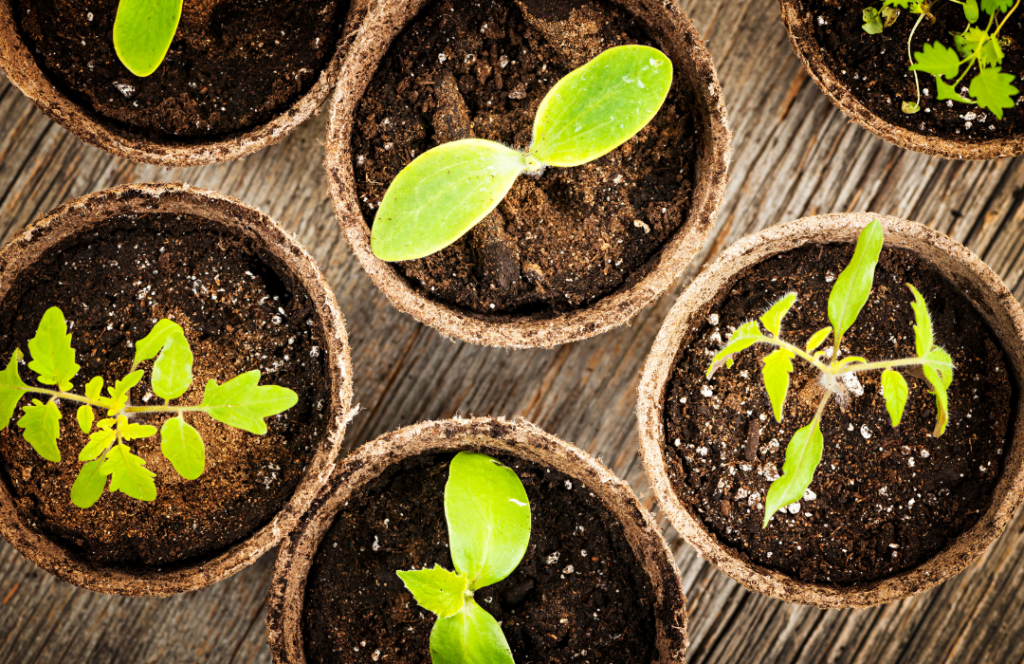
(794, 155)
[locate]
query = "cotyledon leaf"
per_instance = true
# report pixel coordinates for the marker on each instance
(441, 195)
(853, 286)
(471, 636)
(601, 105)
(143, 32)
(772, 318)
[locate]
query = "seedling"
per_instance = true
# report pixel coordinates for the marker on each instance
(488, 517)
(143, 32)
(240, 402)
(448, 190)
(848, 296)
(977, 49)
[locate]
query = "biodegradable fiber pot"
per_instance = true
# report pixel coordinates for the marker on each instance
(17, 62)
(984, 292)
(670, 29)
(78, 224)
(815, 59)
(519, 441)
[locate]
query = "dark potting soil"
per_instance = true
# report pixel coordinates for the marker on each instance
(883, 500)
(579, 595)
(241, 309)
(233, 65)
(875, 68)
(558, 242)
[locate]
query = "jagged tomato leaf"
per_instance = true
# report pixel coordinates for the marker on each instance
(242, 403)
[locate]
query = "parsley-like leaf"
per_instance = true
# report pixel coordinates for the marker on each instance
(778, 365)
(242, 403)
(53, 358)
(772, 318)
(128, 474)
(994, 90)
(41, 423)
(938, 60)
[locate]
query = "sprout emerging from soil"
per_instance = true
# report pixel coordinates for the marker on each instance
(488, 516)
(976, 48)
(849, 295)
(448, 190)
(240, 402)
(143, 32)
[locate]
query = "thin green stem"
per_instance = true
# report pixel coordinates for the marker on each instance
(887, 364)
(821, 406)
(138, 410)
(1005, 18)
(62, 395)
(917, 83)
(799, 352)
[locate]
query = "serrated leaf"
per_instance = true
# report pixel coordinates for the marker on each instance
(872, 21)
(601, 105)
(937, 59)
(941, 399)
(89, 484)
(134, 431)
(853, 286)
(803, 454)
(99, 441)
(183, 447)
(895, 391)
(923, 339)
(12, 388)
(818, 338)
(772, 318)
(778, 365)
(128, 474)
(150, 345)
(946, 91)
(745, 336)
(41, 423)
(119, 391)
(992, 6)
(242, 403)
(993, 90)
(172, 371)
(471, 636)
(85, 417)
(53, 358)
(441, 195)
(889, 16)
(488, 517)
(143, 32)
(437, 590)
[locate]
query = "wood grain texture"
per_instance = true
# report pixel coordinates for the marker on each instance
(794, 155)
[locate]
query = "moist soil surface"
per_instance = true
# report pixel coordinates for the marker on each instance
(241, 309)
(875, 68)
(558, 242)
(233, 64)
(579, 595)
(883, 500)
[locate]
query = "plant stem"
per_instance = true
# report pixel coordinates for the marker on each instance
(1003, 22)
(887, 364)
(62, 395)
(807, 357)
(917, 83)
(165, 409)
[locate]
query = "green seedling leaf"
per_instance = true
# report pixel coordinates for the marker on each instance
(872, 21)
(946, 91)
(853, 286)
(441, 195)
(471, 636)
(85, 417)
(134, 431)
(143, 32)
(744, 337)
(89, 484)
(150, 345)
(183, 447)
(939, 360)
(992, 6)
(971, 11)
(99, 441)
(778, 365)
(243, 403)
(889, 14)
(172, 371)
(488, 517)
(818, 338)
(119, 392)
(938, 60)
(902, 4)
(437, 590)
(803, 454)
(772, 319)
(128, 474)
(923, 339)
(41, 423)
(53, 358)
(601, 105)
(993, 90)
(910, 107)
(895, 391)
(941, 399)
(12, 388)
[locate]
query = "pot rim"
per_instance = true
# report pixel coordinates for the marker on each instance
(81, 215)
(676, 33)
(966, 271)
(518, 438)
(21, 68)
(801, 34)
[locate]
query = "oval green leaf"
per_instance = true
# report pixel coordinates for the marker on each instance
(778, 365)
(183, 447)
(12, 388)
(89, 484)
(488, 517)
(895, 391)
(601, 105)
(471, 636)
(143, 32)
(172, 371)
(441, 195)
(150, 345)
(853, 286)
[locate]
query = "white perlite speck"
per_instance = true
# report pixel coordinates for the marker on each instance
(865, 431)
(713, 319)
(852, 383)
(553, 558)
(569, 569)
(794, 508)
(706, 390)
(810, 495)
